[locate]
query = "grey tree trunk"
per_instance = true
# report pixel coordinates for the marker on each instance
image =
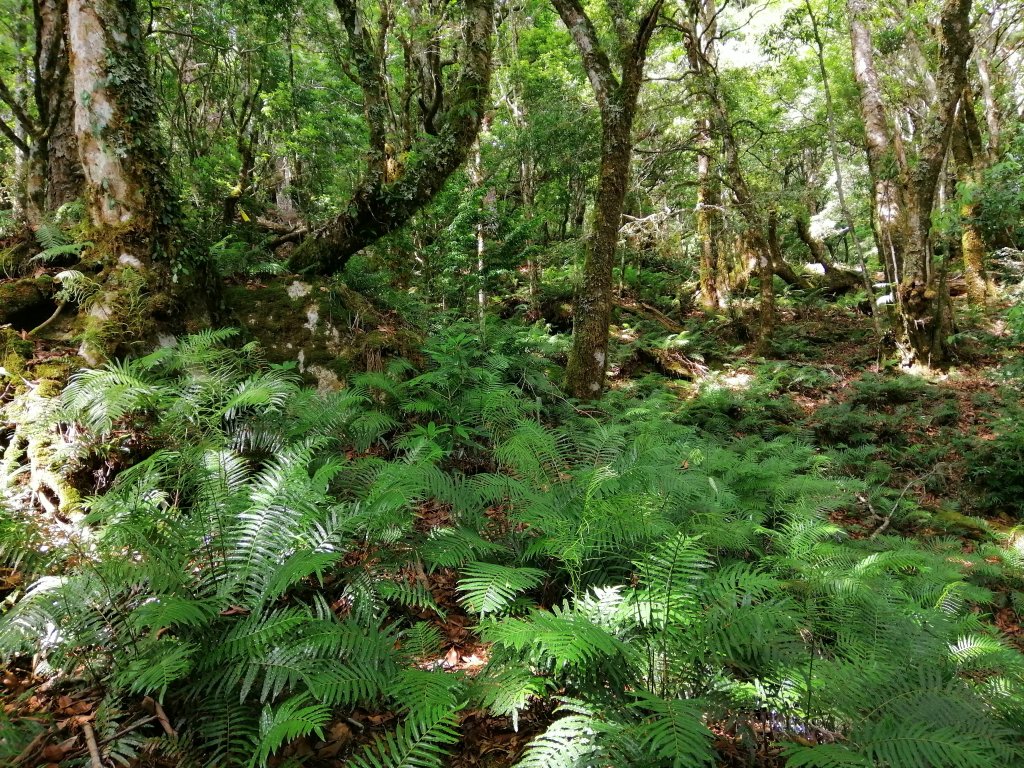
(123, 162)
(904, 190)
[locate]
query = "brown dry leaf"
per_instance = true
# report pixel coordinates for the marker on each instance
(53, 753)
(80, 708)
(338, 735)
(452, 657)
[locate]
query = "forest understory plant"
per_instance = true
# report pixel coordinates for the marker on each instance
(263, 572)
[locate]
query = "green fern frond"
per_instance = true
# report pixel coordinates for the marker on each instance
(673, 731)
(491, 588)
(294, 717)
(569, 742)
(422, 741)
(161, 664)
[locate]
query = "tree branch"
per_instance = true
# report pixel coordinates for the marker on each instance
(27, 124)
(14, 138)
(595, 60)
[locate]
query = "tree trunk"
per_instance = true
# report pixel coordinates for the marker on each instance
(386, 201)
(708, 215)
(123, 161)
(52, 174)
(702, 55)
(592, 312)
(967, 152)
(814, 245)
(617, 100)
(905, 191)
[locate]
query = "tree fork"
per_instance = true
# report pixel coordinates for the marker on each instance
(378, 207)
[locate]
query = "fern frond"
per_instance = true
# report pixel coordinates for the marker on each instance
(491, 588)
(422, 741)
(569, 742)
(673, 730)
(295, 717)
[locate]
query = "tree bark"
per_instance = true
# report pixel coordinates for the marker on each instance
(702, 55)
(383, 202)
(617, 101)
(967, 152)
(52, 174)
(814, 245)
(124, 165)
(904, 192)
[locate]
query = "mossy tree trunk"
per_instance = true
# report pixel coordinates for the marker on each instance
(45, 136)
(969, 154)
(124, 165)
(617, 100)
(390, 194)
(708, 213)
(905, 188)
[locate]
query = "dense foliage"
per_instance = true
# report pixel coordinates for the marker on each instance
(487, 384)
(265, 565)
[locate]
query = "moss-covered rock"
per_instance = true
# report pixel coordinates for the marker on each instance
(20, 300)
(14, 351)
(326, 328)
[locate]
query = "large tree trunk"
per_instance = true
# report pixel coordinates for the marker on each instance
(969, 156)
(759, 235)
(709, 218)
(385, 201)
(52, 173)
(903, 191)
(702, 55)
(124, 165)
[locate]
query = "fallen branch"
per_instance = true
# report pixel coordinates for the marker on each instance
(31, 749)
(652, 313)
(287, 237)
(94, 750)
(887, 520)
(153, 706)
(48, 321)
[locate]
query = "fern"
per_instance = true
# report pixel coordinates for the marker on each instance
(569, 742)
(420, 742)
(295, 717)
(673, 731)
(490, 588)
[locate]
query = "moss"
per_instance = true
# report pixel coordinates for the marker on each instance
(53, 375)
(14, 351)
(17, 296)
(322, 325)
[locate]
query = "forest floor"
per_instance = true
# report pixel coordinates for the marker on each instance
(925, 444)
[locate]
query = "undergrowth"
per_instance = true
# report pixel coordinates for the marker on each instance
(265, 570)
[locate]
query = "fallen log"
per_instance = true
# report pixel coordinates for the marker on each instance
(651, 313)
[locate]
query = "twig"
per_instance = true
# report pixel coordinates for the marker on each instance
(123, 732)
(32, 747)
(888, 518)
(94, 751)
(165, 723)
(47, 322)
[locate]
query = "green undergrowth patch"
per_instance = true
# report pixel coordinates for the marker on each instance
(639, 565)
